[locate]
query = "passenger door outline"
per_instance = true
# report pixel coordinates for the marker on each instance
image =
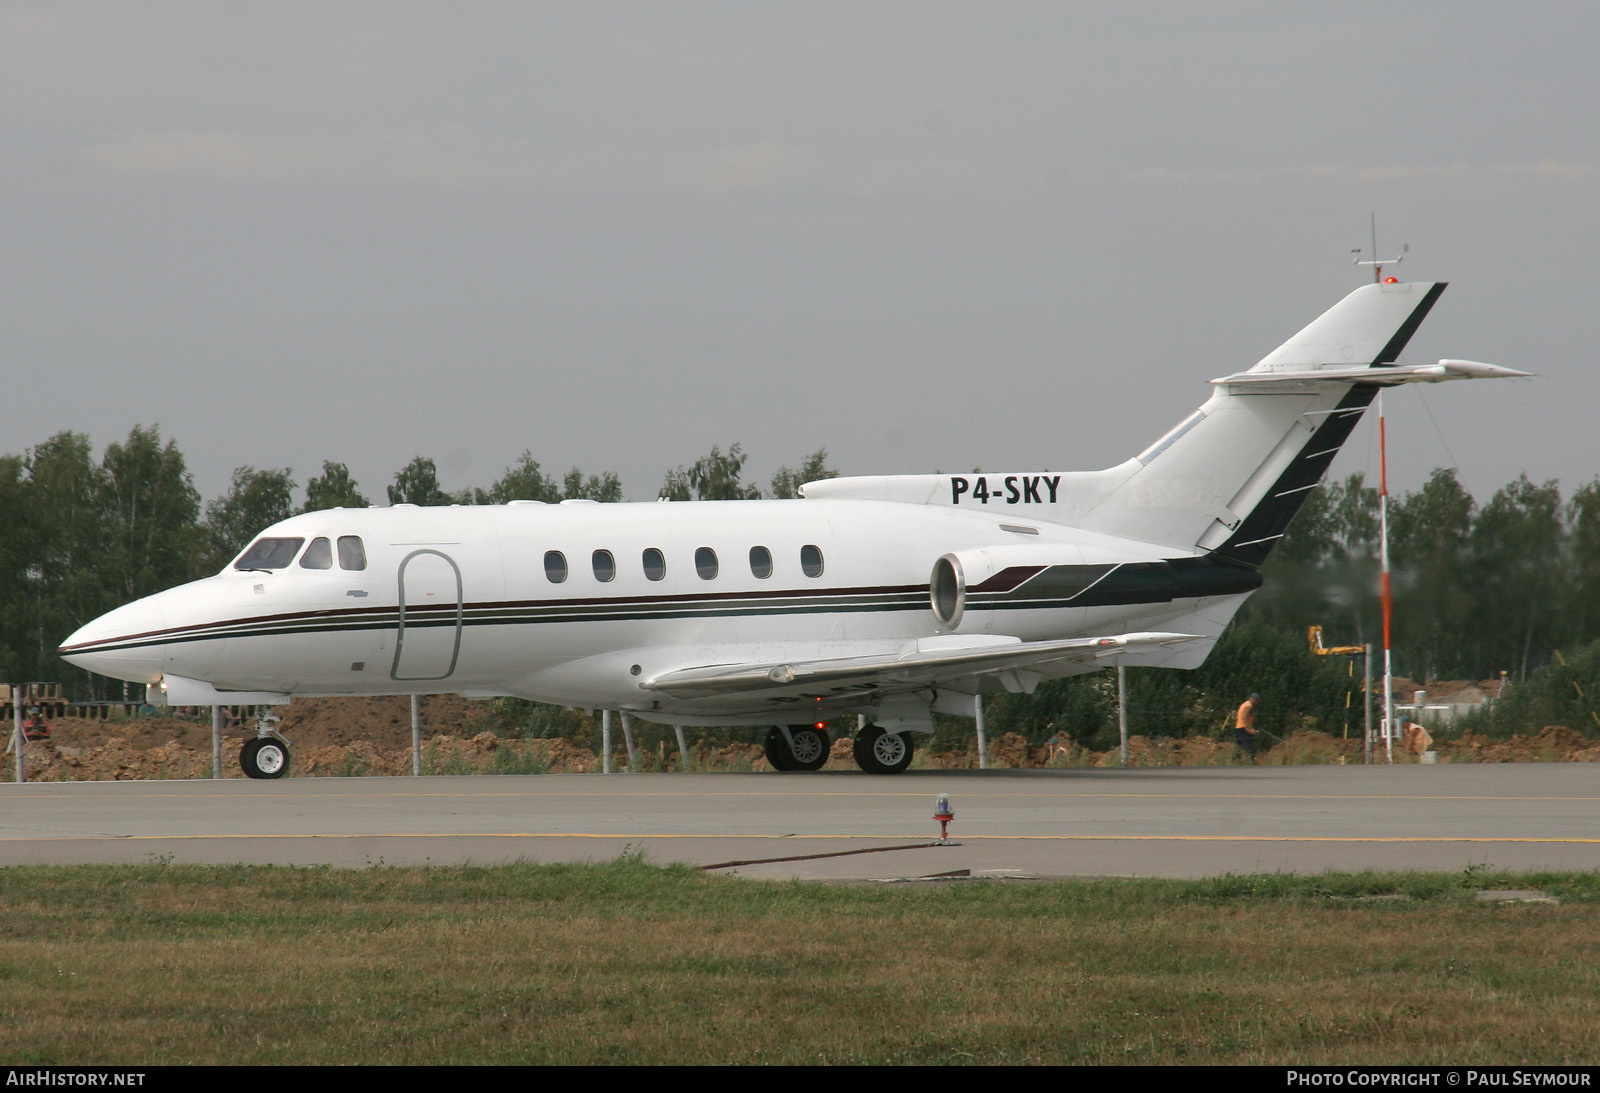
(400, 633)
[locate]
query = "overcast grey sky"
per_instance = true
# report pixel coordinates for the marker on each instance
(923, 235)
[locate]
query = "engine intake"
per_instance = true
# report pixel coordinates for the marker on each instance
(947, 591)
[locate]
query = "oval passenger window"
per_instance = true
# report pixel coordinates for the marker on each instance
(655, 564)
(761, 562)
(555, 566)
(811, 561)
(605, 566)
(705, 563)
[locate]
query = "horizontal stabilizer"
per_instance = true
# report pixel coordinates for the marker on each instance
(901, 671)
(1263, 382)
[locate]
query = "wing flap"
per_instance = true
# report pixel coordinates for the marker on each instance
(898, 671)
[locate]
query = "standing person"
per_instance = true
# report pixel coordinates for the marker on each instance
(1244, 726)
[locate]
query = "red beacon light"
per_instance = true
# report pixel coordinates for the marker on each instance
(1391, 280)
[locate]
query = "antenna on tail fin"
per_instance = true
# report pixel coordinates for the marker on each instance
(1375, 262)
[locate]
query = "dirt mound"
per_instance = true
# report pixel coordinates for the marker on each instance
(385, 722)
(330, 735)
(1463, 691)
(360, 736)
(1552, 744)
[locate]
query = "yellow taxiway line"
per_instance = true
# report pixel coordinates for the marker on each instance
(793, 837)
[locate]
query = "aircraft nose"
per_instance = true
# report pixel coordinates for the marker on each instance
(124, 644)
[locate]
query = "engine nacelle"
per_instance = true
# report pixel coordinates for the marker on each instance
(1068, 575)
(991, 569)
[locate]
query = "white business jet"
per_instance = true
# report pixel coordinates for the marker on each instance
(891, 597)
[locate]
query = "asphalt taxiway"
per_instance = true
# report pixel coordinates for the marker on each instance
(1180, 822)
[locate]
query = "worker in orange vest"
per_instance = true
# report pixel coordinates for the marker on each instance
(36, 727)
(1244, 726)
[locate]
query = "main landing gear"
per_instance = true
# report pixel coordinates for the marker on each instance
(880, 752)
(797, 747)
(806, 747)
(266, 756)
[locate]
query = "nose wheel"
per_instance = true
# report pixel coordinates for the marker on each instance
(266, 756)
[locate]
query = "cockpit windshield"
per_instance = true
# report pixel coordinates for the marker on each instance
(269, 554)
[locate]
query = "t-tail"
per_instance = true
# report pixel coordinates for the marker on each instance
(1229, 478)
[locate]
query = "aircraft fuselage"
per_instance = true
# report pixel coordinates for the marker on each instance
(465, 599)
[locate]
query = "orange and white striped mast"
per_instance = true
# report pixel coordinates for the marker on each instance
(1386, 591)
(1385, 587)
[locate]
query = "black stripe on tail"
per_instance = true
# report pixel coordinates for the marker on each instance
(1260, 531)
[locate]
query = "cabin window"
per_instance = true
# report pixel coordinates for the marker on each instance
(705, 563)
(352, 552)
(761, 562)
(555, 566)
(811, 560)
(655, 564)
(269, 554)
(605, 566)
(319, 555)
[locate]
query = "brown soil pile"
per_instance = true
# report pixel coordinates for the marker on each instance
(330, 735)
(1552, 744)
(354, 736)
(1012, 751)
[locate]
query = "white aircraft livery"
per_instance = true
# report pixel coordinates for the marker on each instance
(891, 597)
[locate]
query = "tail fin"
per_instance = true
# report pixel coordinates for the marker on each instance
(1231, 476)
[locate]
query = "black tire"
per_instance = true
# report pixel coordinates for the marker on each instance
(264, 757)
(777, 749)
(811, 747)
(879, 752)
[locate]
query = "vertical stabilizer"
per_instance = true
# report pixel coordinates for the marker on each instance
(1231, 476)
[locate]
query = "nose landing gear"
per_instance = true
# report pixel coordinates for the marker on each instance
(266, 756)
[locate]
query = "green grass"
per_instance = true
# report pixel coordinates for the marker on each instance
(628, 962)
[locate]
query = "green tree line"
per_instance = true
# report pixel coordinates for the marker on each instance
(1505, 586)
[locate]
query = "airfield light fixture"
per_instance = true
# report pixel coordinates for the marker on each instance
(944, 814)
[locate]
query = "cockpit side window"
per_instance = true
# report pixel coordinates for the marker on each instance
(269, 554)
(319, 555)
(352, 552)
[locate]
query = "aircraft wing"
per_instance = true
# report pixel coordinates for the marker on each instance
(930, 662)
